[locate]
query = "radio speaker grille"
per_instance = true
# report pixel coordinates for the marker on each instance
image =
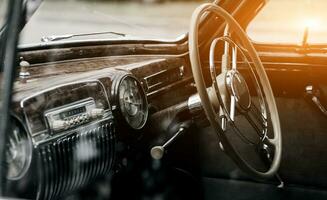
(71, 162)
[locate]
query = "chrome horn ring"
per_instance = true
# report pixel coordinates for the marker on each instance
(234, 92)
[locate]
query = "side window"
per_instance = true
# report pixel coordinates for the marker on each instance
(3, 13)
(3, 7)
(285, 22)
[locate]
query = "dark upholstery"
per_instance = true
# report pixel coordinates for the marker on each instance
(304, 160)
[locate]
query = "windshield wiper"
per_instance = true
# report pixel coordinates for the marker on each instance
(68, 36)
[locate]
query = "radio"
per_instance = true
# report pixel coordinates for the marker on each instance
(72, 115)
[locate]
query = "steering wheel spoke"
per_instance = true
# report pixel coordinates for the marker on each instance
(257, 120)
(234, 58)
(272, 141)
(232, 110)
(223, 122)
(259, 115)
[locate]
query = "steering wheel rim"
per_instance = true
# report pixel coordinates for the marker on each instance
(207, 104)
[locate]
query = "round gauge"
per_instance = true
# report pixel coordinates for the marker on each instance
(18, 152)
(132, 102)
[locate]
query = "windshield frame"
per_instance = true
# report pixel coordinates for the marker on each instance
(8, 56)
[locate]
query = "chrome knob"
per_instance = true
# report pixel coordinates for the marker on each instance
(97, 112)
(157, 152)
(58, 125)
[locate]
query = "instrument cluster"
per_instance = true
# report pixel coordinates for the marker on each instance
(131, 101)
(18, 151)
(70, 137)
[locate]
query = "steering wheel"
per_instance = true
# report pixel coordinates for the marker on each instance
(230, 93)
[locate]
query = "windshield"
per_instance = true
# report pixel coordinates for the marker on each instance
(136, 19)
(288, 21)
(3, 6)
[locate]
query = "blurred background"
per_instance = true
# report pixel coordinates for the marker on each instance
(150, 19)
(280, 21)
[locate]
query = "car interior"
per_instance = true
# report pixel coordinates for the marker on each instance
(211, 115)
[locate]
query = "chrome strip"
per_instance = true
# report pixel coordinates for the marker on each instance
(22, 102)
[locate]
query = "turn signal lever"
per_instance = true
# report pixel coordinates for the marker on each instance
(157, 152)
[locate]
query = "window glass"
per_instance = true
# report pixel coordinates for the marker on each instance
(3, 7)
(137, 19)
(283, 21)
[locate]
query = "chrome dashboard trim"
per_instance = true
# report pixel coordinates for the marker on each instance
(22, 102)
(77, 129)
(194, 104)
(49, 114)
(179, 40)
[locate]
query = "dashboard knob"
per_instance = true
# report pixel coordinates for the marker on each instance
(157, 152)
(97, 112)
(58, 125)
(71, 122)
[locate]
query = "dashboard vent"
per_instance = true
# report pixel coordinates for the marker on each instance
(163, 78)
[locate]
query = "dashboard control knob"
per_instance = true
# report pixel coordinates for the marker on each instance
(58, 125)
(71, 122)
(97, 112)
(157, 152)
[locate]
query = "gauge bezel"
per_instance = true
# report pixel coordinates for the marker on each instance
(29, 144)
(142, 93)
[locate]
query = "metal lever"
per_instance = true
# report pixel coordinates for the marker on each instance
(157, 152)
(281, 182)
(313, 94)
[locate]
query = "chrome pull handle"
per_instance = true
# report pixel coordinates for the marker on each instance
(317, 102)
(157, 152)
(312, 93)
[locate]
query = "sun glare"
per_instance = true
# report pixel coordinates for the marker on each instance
(311, 23)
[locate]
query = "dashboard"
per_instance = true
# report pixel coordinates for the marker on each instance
(67, 128)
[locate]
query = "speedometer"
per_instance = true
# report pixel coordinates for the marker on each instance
(18, 152)
(132, 102)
